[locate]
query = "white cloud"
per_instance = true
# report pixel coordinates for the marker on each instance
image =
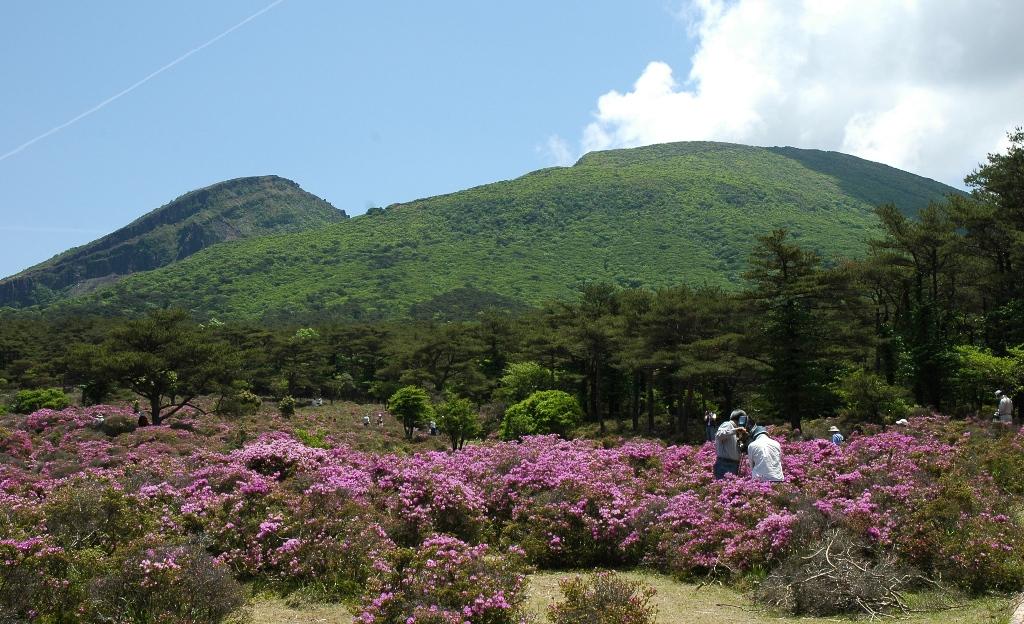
(927, 86)
(557, 150)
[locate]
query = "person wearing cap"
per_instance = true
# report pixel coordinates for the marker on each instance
(710, 425)
(765, 456)
(1004, 413)
(837, 436)
(727, 448)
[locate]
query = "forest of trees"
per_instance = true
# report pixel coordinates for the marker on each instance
(932, 315)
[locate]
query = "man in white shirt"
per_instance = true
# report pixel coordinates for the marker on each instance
(765, 456)
(1004, 413)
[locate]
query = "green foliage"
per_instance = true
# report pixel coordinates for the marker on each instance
(286, 406)
(603, 597)
(547, 411)
(234, 209)
(28, 401)
(521, 379)
(980, 373)
(239, 401)
(411, 405)
(869, 399)
(313, 439)
(653, 216)
(458, 420)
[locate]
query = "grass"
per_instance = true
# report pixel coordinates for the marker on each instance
(678, 603)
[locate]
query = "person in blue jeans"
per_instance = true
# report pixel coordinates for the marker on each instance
(727, 446)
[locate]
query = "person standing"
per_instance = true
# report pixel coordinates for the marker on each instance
(765, 456)
(837, 436)
(710, 425)
(366, 420)
(727, 448)
(1004, 413)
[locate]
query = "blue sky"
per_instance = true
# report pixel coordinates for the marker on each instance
(360, 103)
(374, 103)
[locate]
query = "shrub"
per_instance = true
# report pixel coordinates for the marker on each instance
(287, 406)
(239, 402)
(312, 439)
(835, 575)
(40, 582)
(28, 401)
(85, 513)
(116, 424)
(604, 598)
(447, 580)
(16, 444)
(547, 411)
(166, 583)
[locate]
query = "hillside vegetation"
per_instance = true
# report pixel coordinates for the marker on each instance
(231, 210)
(652, 216)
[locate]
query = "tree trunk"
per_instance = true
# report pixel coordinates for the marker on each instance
(597, 398)
(635, 404)
(154, 406)
(650, 402)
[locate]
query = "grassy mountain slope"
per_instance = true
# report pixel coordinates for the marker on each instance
(653, 216)
(231, 210)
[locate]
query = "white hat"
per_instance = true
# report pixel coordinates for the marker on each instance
(998, 392)
(902, 421)
(833, 429)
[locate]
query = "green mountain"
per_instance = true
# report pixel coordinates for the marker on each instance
(231, 210)
(652, 216)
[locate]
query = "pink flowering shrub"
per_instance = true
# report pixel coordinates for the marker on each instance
(40, 581)
(16, 445)
(447, 581)
(165, 583)
(944, 496)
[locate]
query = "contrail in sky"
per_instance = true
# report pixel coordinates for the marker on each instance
(138, 84)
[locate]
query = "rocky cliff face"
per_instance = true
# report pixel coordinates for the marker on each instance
(231, 210)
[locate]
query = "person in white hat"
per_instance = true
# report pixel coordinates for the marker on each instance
(1004, 413)
(837, 437)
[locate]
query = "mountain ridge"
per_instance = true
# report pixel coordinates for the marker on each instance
(652, 216)
(228, 210)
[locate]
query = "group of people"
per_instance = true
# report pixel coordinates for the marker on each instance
(741, 435)
(380, 419)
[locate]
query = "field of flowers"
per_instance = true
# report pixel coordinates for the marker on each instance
(166, 524)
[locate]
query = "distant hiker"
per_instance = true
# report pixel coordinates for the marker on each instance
(903, 422)
(433, 428)
(797, 435)
(1004, 413)
(727, 449)
(140, 418)
(765, 456)
(710, 425)
(380, 419)
(366, 420)
(837, 436)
